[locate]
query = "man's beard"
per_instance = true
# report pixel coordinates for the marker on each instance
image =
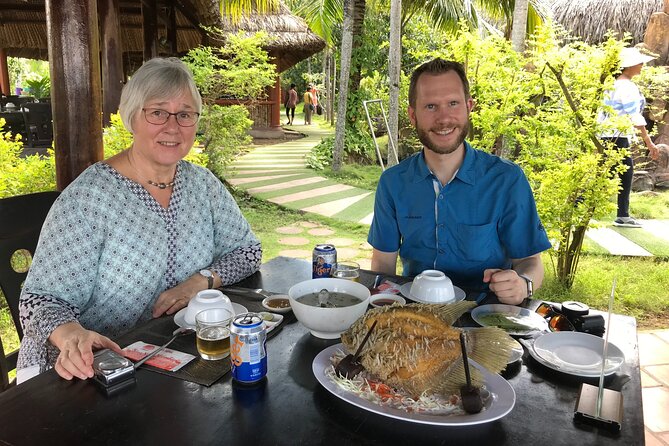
(424, 138)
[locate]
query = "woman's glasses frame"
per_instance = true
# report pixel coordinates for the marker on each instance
(157, 116)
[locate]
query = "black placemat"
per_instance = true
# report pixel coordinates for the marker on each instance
(200, 371)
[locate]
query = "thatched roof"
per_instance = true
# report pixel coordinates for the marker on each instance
(23, 30)
(291, 40)
(591, 19)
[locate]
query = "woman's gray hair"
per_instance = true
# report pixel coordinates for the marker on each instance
(159, 78)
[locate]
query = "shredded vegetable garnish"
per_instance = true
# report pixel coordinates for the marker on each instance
(371, 389)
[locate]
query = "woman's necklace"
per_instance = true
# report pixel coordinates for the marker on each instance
(159, 185)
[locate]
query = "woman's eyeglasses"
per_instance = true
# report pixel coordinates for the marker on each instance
(157, 116)
(556, 320)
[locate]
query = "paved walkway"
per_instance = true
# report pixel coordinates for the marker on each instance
(278, 173)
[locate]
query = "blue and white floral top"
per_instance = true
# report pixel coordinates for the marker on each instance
(107, 250)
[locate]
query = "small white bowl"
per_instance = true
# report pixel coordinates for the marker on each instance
(204, 300)
(433, 286)
(384, 299)
(272, 303)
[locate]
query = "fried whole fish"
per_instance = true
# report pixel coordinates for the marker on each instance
(415, 347)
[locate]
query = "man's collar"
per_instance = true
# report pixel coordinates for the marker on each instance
(465, 173)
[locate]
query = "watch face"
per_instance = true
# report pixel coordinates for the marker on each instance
(206, 273)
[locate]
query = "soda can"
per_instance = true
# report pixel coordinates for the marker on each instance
(324, 256)
(248, 354)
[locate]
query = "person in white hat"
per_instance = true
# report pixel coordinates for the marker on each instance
(626, 100)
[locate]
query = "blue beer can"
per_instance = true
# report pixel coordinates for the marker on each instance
(248, 354)
(323, 259)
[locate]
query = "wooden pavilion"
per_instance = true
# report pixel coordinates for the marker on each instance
(92, 45)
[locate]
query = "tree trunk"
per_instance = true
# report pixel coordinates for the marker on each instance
(346, 50)
(519, 26)
(395, 61)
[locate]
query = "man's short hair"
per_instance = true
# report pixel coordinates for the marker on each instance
(434, 67)
(292, 85)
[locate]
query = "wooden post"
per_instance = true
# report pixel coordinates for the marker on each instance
(4, 72)
(74, 65)
(275, 118)
(172, 29)
(112, 58)
(150, 29)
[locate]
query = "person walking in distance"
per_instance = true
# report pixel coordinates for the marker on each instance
(291, 103)
(625, 100)
(308, 106)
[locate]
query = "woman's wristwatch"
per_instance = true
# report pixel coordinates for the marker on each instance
(209, 276)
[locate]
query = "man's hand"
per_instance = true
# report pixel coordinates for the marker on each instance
(509, 287)
(76, 346)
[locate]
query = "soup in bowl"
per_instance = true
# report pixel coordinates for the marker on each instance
(345, 302)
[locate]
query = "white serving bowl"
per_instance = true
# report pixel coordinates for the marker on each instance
(433, 286)
(204, 300)
(328, 323)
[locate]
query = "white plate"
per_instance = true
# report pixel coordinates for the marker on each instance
(511, 313)
(576, 353)
(179, 317)
(406, 292)
(276, 320)
(273, 309)
(516, 353)
(504, 398)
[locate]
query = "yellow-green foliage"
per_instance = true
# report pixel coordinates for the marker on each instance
(23, 175)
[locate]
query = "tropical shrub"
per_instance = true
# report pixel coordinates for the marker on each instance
(23, 175)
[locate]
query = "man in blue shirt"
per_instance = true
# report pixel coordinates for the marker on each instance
(454, 208)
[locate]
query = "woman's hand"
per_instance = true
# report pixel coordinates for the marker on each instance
(76, 346)
(172, 300)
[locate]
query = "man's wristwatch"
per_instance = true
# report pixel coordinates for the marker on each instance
(530, 285)
(209, 276)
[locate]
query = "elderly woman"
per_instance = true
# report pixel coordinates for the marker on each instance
(134, 237)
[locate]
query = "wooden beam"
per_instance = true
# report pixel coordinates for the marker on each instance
(4, 72)
(150, 29)
(74, 65)
(172, 28)
(112, 58)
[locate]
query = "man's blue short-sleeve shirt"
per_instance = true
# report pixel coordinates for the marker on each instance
(483, 218)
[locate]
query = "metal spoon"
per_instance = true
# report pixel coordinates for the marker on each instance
(178, 332)
(323, 296)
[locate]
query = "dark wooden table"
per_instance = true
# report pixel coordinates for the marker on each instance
(292, 407)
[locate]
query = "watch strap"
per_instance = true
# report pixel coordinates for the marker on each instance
(530, 285)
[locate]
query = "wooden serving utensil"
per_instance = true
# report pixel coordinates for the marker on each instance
(349, 366)
(471, 395)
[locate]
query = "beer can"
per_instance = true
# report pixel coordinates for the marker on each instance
(248, 354)
(324, 257)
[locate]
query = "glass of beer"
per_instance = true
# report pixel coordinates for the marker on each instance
(346, 270)
(212, 328)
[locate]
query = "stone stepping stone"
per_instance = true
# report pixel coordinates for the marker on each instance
(286, 184)
(615, 243)
(346, 253)
(296, 253)
(308, 224)
(340, 242)
(311, 193)
(333, 207)
(289, 230)
(321, 232)
(294, 241)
